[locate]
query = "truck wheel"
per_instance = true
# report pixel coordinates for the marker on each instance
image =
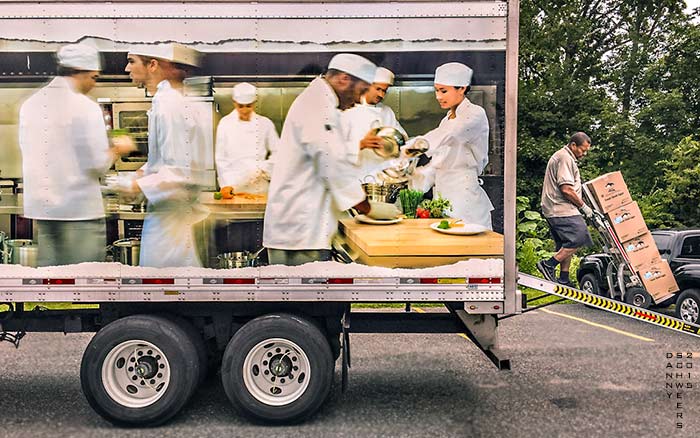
(198, 342)
(139, 370)
(278, 369)
(589, 283)
(638, 297)
(688, 306)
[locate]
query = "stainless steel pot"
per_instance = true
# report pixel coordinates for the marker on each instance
(392, 140)
(238, 259)
(20, 252)
(126, 251)
(383, 192)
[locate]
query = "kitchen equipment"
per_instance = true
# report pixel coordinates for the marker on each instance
(19, 251)
(368, 220)
(126, 251)
(238, 259)
(392, 140)
(459, 229)
(382, 192)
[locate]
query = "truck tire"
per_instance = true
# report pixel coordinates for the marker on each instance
(277, 369)
(688, 306)
(160, 382)
(198, 342)
(589, 283)
(638, 297)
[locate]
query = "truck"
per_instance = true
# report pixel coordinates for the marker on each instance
(274, 332)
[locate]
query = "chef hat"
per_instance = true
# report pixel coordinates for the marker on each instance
(355, 65)
(172, 52)
(454, 73)
(384, 76)
(244, 93)
(79, 57)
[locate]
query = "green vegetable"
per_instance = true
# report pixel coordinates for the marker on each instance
(444, 225)
(409, 201)
(436, 206)
(117, 132)
(218, 195)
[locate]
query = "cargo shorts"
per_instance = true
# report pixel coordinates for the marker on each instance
(569, 232)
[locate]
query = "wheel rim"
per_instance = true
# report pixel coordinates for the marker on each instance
(135, 374)
(638, 300)
(276, 372)
(587, 286)
(689, 310)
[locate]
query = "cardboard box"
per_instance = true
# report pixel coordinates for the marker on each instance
(627, 221)
(610, 191)
(642, 251)
(658, 279)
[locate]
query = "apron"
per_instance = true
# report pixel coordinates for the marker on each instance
(469, 201)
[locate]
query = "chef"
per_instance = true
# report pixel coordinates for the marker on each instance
(314, 180)
(65, 150)
(458, 149)
(245, 144)
(370, 113)
(176, 145)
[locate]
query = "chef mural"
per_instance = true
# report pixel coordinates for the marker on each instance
(362, 161)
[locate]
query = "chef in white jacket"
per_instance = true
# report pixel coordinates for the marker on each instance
(370, 113)
(65, 150)
(245, 144)
(176, 146)
(314, 180)
(459, 149)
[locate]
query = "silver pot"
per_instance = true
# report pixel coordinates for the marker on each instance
(20, 252)
(383, 192)
(238, 259)
(392, 140)
(126, 251)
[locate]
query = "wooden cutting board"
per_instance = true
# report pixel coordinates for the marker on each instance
(414, 237)
(240, 201)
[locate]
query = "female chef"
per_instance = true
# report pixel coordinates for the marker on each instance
(458, 149)
(245, 144)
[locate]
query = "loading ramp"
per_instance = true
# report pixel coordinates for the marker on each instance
(607, 304)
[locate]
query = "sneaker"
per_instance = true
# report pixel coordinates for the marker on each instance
(546, 270)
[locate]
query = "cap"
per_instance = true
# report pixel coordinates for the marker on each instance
(454, 73)
(79, 57)
(244, 93)
(355, 65)
(173, 52)
(384, 76)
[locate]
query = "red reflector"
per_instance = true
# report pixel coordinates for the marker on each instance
(239, 281)
(340, 281)
(484, 280)
(158, 281)
(60, 281)
(428, 281)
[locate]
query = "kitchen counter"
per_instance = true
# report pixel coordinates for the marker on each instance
(242, 206)
(412, 244)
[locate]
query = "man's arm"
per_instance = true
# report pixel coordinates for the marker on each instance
(569, 193)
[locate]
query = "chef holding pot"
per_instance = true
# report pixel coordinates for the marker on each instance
(458, 149)
(245, 144)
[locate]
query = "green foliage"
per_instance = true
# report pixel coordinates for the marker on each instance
(624, 72)
(531, 238)
(436, 206)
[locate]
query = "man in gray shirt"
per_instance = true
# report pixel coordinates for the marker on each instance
(561, 202)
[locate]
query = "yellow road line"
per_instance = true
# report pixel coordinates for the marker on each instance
(595, 324)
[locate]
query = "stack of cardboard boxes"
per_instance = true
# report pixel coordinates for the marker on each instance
(613, 199)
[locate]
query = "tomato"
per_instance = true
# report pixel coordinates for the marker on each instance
(422, 213)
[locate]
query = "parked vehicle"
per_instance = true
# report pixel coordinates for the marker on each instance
(681, 248)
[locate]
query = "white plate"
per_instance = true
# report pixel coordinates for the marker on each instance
(368, 220)
(464, 230)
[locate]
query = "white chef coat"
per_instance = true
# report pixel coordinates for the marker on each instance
(244, 151)
(65, 150)
(176, 147)
(459, 149)
(357, 122)
(313, 182)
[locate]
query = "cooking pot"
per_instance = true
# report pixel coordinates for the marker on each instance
(126, 251)
(20, 252)
(392, 140)
(382, 192)
(238, 259)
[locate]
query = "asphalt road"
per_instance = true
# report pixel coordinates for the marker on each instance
(569, 379)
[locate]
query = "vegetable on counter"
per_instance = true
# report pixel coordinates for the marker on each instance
(218, 195)
(409, 201)
(436, 206)
(422, 213)
(444, 225)
(227, 192)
